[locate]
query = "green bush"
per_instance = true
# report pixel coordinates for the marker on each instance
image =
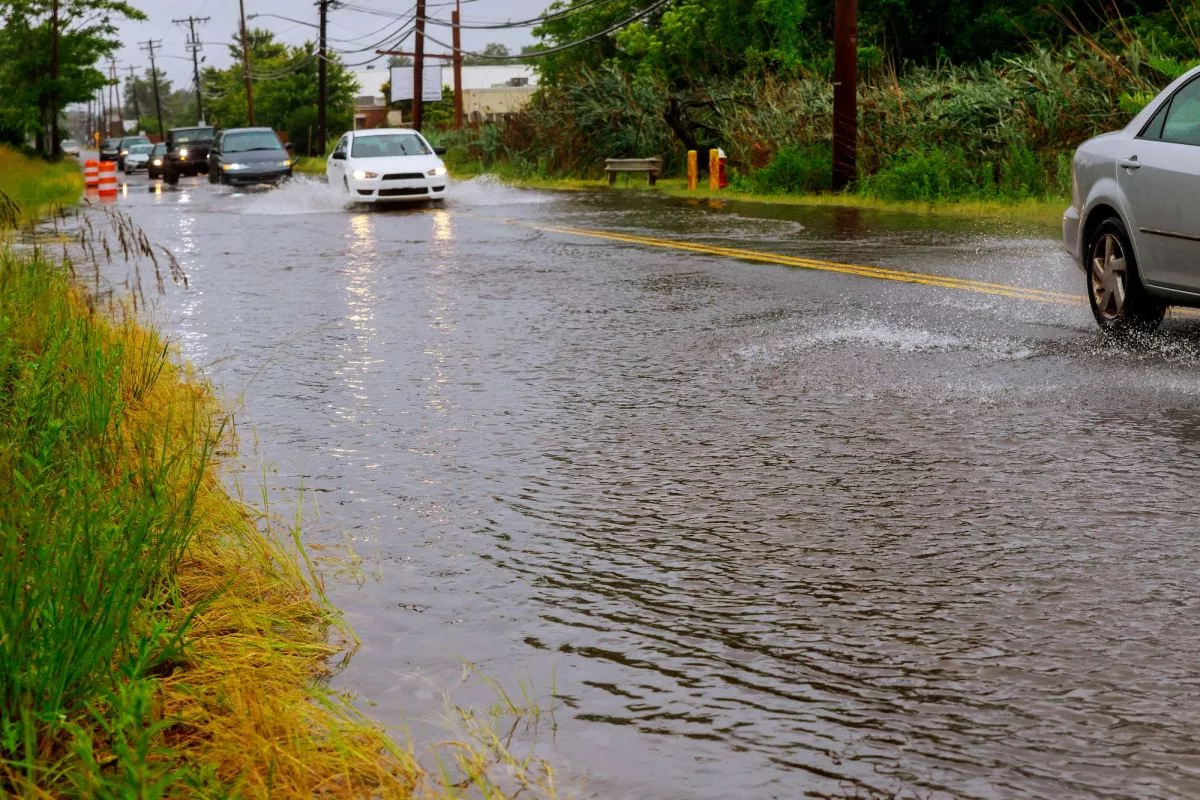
(928, 175)
(796, 169)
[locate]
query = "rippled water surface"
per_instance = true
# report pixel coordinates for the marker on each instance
(751, 530)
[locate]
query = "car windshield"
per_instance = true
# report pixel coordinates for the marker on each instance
(192, 135)
(389, 144)
(109, 144)
(253, 140)
(159, 149)
(140, 149)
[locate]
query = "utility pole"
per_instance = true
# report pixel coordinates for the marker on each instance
(194, 47)
(116, 83)
(55, 144)
(322, 84)
(149, 47)
(845, 93)
(418, 102)
(137, 112)
(246, 66)
(458, 64)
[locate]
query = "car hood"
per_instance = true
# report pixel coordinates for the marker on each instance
(394, 164)
(255, 157)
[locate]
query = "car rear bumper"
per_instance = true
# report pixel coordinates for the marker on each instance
(1070, 228)
(397, 191)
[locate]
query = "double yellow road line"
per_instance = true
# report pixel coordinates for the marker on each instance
(880, 273)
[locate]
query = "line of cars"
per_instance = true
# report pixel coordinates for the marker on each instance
(383, 165)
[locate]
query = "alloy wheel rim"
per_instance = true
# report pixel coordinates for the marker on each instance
(1109, 276)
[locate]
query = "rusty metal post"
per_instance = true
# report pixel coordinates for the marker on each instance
(845, 93)
(693, 171)
(714, 170)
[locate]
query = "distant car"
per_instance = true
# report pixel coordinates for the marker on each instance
(242, 156)
(137, 157)
(70, 147)
(110, 149)
(123, 148)
(1134, 223)
(386, 165)
(154, 167)
(187, 152)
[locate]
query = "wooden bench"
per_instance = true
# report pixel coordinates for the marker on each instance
(651, 166)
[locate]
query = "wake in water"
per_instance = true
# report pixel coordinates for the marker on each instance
(301, 195)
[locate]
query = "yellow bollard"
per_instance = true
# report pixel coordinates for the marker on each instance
(693, 171)
(714, 170)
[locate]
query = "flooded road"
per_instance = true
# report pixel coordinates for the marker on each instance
(749, 529)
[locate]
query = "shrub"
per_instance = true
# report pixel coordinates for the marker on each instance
(795, 169)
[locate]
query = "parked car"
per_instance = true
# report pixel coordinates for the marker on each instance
(187, 152)
(386, 165)
(248, 156)
(137, 157)
(70, 147)
(123, 148)
(154, 167)
(1134, 223)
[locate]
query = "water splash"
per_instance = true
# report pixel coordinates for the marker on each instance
(487, 190)
(300, 195)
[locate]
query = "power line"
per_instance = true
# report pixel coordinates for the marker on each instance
(560, 48)
(582, 5)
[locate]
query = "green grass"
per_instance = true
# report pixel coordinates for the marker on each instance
(1043, 211)
(35, 188)
(310, 165)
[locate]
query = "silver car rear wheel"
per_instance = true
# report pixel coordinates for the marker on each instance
(1119, 302)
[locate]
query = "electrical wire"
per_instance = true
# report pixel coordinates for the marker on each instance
(559, 48)
(582, 5)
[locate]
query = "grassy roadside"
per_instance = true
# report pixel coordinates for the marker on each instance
(1046, 212)
(309, 165)
(154, 640)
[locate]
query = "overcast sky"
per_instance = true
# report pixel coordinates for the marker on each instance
(356, 29)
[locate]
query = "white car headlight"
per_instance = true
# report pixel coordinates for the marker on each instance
(158, 162)
(283, 163)
(183, 152)
(360, 175)
(233, 167)
(437, 172)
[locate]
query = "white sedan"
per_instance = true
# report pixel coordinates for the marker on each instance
(386, 165)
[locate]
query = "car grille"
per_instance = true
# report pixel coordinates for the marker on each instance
(403, 176)
(402, 192)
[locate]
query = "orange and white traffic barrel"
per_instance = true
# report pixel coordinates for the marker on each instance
(91, 173)
(108, 180)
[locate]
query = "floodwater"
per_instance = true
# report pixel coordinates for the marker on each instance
(744, 530)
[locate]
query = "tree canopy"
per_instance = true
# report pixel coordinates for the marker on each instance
(284, 81)
(49, 51)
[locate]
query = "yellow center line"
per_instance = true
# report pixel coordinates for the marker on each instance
(880, 273)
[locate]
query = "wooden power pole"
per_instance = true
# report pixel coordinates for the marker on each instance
(458, 64)
(149, 48)
(418, 102)
(194, 47)
(845, 93)
(246, 65)
(322, 84)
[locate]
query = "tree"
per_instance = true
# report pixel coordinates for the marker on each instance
(284, 81)
(495, 52)
(49, 50)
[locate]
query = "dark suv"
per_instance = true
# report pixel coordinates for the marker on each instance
(187, 152)
(248, 156)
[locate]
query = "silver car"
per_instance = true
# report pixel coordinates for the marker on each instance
(1134, 221)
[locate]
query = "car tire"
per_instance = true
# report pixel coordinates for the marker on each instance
(170, 177)
(1119, 300)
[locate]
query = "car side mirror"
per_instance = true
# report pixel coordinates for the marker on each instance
(340, 156)
(289, 147)
(439, 151)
